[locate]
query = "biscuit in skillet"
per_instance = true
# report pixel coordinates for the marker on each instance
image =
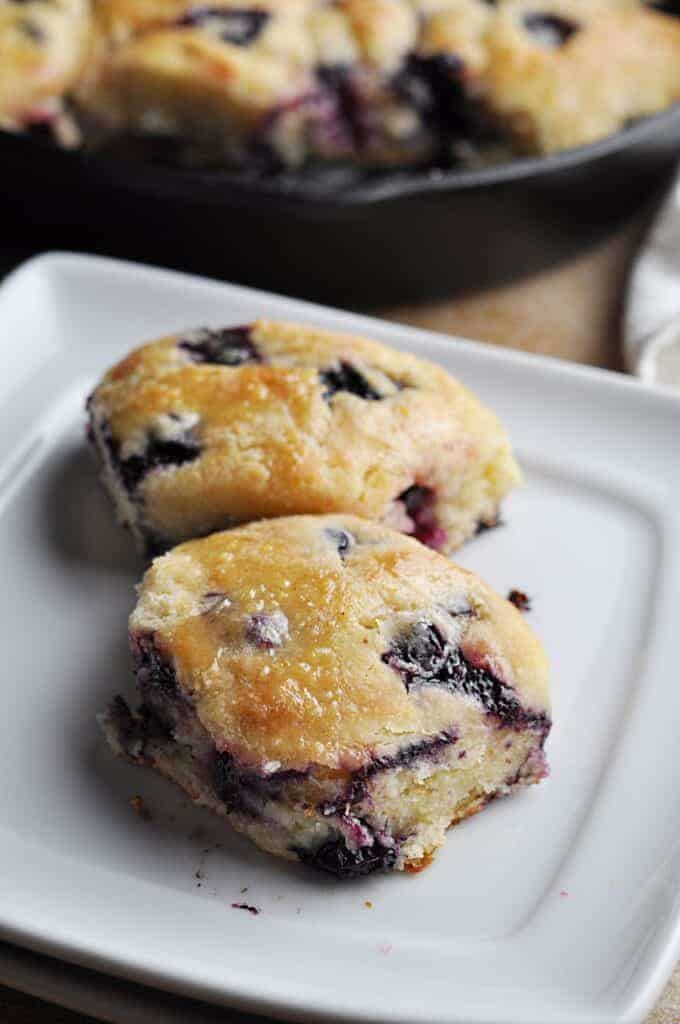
(284, 82)
(562, 73)
(42, 49)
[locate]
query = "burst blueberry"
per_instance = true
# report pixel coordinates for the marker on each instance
(431, 84)
(423, 657)
(152, 669)
(419, 503)
(267, 629)
(345, 377)
(158, 453)
(336, 859)
(239, 26)
(342, 539)
(338, 86)
(230, 346)
(171, 440)
(418, 653)
(163, 699)
(550, 29)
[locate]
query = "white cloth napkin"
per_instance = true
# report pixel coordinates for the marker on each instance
(654, 288)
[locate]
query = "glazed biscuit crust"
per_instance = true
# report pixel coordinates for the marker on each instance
(324, 694)
(563, 73)
(309, 422)
(339, 692)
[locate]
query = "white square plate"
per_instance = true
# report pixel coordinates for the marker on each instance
(560, 906)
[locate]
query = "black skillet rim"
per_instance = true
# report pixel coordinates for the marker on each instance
(305, 190)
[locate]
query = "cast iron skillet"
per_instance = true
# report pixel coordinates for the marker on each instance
(338, 236)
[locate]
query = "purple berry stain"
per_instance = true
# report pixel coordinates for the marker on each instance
(170, 441)
(419, 502)
(423, 657)
(267, 629)
(248, 907)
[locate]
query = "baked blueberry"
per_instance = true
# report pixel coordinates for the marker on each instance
(436, 85)
(419, 653)
(550, 29)
(424, 657)
(236, 25)
(345, 377)
(431, 83)
(339, 713)
(520, 600)
(335, 858)
(207, 429)
(214, 601)
(342, 539)
(267, 629)
(156, 453)
(671, 7)
(230, 346)
(166, 442)
(420, 504)
(32, 30)
(341, 85)
(153, 671)
(228, 782)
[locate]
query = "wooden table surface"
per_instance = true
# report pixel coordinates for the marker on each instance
(572, 312)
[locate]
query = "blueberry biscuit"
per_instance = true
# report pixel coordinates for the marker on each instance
(285, 81)
(226, 80)
(338, 691)
(42, 47)
(210, 428)
(562, 73)
(281, 84)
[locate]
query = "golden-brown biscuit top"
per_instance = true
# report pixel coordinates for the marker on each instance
(278, 632)
(42, 47)
(583, 71)
(273, 443)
